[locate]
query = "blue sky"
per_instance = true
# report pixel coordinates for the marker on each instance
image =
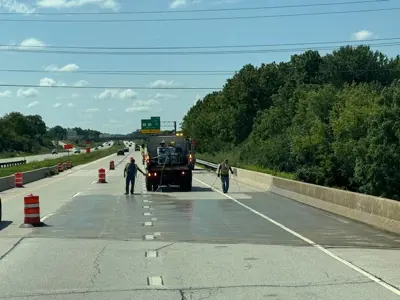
(121, 110)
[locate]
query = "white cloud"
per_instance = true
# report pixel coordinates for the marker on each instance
(70, 105)
(363, 35)
(72, 96)
(90, 110)
(165, 96)
(57, 105)
(5, 94)
(142, 105)
(15, 6)
(34, 103)
(47, 82)
(81, 83)
(28, 93)
(31, 43)
(66, 68)
(177, 3)
(110, 109)
(125, 94)
(163, 84)
(106, 4)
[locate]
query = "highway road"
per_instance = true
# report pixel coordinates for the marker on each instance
(49, 156)
(172, 245)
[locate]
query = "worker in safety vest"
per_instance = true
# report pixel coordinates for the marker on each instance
(223, 171)
(130, 172)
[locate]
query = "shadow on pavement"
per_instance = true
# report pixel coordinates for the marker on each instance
(5, 224)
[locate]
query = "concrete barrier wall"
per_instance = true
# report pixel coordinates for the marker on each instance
(7, 183)
(379, 212)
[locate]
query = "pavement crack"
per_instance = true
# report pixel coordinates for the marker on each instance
(12, 248)
(96, 264)
(163, 247)
(183, 296)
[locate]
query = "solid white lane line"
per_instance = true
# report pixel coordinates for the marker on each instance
(298, 235)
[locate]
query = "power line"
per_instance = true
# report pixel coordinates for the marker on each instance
(166, 53)
(107, 87)
(10, 46)
(175, 73)
(125, 73)
(201, 19)
(202, 10)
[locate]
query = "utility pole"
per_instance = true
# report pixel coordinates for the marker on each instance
(174, 127)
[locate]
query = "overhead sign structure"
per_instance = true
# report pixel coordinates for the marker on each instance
(68, 146)
(152, 125)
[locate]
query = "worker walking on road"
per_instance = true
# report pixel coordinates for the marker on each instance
(130, 173)
(223, 171)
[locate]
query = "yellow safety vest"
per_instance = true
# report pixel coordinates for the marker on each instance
(224, 169)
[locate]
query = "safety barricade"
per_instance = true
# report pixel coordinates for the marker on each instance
(60, 167)
(102, 176)
(69, 166)
(18, 180)
(112, 166)
(31, 211)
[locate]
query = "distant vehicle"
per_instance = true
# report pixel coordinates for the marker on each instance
(126, 149)
(77, 150)
(137, 147)
(120, 152)
(54, 151)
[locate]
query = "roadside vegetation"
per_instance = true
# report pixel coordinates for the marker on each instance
(22, 135)
(331, 120)
(77, 159)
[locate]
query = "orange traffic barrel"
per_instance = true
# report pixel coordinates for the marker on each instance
(18, 180)
(31, 210)
(60, 167)
(102, 176)
(68, 163)
(112, 166)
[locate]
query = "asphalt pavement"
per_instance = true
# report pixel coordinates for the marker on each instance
(172, 245)
(42, 157)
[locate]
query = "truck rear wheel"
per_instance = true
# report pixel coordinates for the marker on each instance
(148, 186)
(186, 186)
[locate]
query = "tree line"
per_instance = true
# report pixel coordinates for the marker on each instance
(331, 120)
(20, 133)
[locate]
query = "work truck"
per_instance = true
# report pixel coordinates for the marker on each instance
(169, 162)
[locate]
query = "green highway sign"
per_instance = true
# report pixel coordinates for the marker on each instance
(152, 125)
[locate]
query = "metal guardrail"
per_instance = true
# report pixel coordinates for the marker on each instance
(207, 164)
(12, 163)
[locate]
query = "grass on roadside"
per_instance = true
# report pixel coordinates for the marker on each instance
(75, 160)
(234, 161)
(43, 150)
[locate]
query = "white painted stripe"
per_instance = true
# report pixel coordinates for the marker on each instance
(154, 219)
(77, 194)
(298, 235)
(146, 214)
(149, 237)
(148, 224)
(152, 254)
(32, 215)
(45, 217)
(155, 281)
(94, 182)
(145, 200)
(157, 233)
(146, 206)
(31, 205)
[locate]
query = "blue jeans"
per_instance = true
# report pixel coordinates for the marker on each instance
(130, 180)
(225, 183)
